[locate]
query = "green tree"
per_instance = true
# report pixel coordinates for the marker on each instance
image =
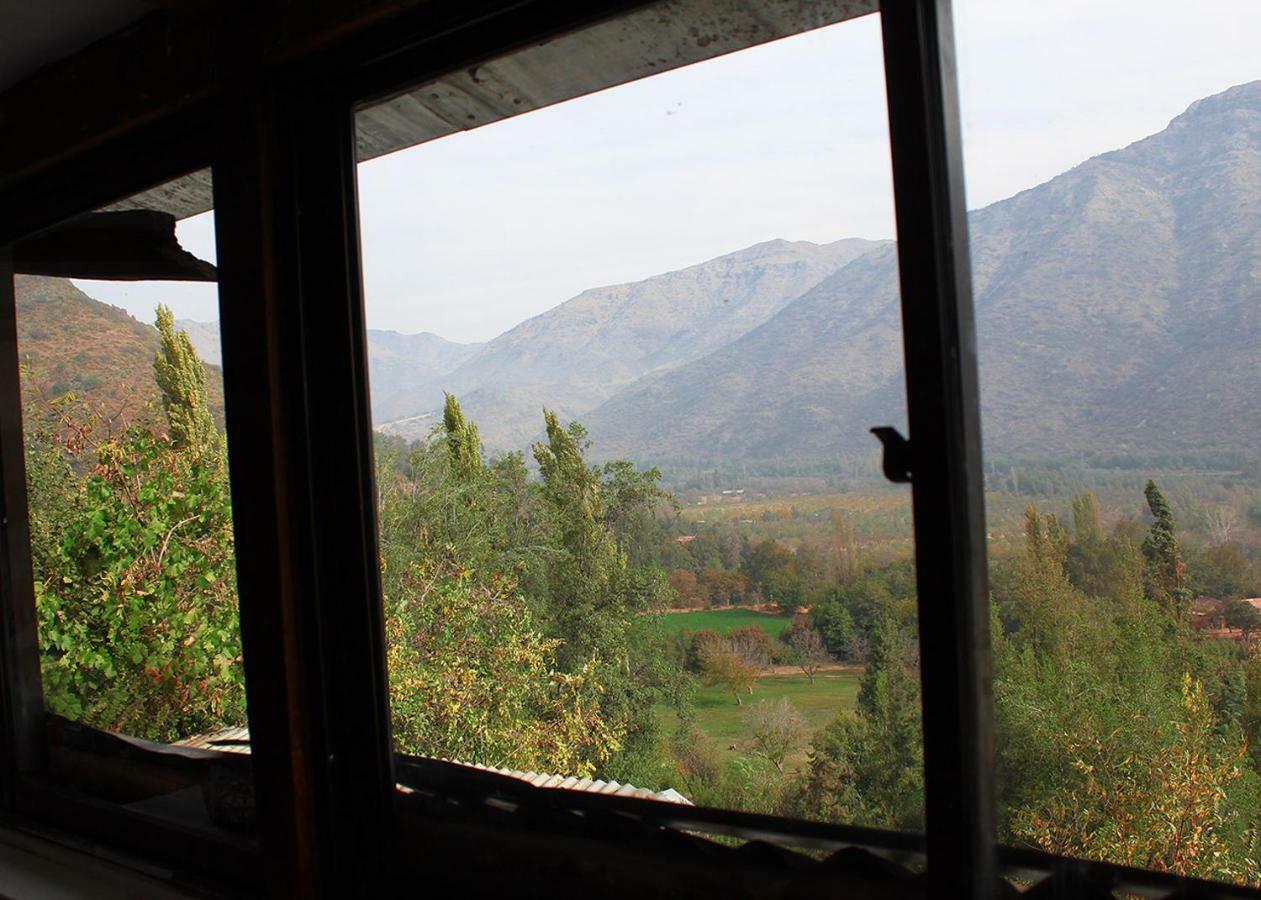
(598, 602)
(181, 378)
(835, 624)
(1133, 804)
(134, 567)
(1165, 569)
(472, 678)
(1242, 615)
(464, 446)
(867, 766)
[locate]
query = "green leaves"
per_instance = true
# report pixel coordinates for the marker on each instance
(136, 615)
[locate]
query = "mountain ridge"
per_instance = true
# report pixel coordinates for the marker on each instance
(1103, 297)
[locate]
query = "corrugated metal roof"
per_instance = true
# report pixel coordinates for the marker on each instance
(226, 740)
(571, 783)
(237, 740)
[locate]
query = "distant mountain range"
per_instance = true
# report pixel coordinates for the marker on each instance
(1118, 309)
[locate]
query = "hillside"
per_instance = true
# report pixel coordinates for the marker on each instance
(577, 355)
(1118, 309)
(400, 363)
(69, 342)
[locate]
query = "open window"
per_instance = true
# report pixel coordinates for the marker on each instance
(124, 598)
(626, 352)
(1116, 323)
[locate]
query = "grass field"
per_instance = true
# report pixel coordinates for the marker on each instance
(720, 719)
(725, 620)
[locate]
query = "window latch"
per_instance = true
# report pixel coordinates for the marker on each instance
(897, 454)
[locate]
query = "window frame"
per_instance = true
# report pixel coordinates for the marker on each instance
(123, 168)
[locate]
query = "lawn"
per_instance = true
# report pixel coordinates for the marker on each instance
(720, 719)
(725, 620)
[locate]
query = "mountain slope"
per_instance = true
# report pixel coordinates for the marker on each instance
(1118, 309)
(400, 364)
(578, 354)
(69, 342)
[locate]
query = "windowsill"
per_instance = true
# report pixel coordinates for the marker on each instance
(37, 867)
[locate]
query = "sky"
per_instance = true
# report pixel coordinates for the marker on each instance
(470, 234)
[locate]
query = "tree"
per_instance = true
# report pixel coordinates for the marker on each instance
(1242, 615)
(777, 729)
(598, 602)
(701, 644)
(1165, 569)
(754, 646)
(181, 378)
(464, 446)
(472, 678)
(773, 568)
(720, 666)
(135, 580)
(1251, 718)
(1101, 565)
(1158, 810)
(843, 545)
(1222, 571)
(836, 626)
(687, 588)
(806, 648)
(866, 766)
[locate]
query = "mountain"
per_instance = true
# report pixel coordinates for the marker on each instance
(69, 342)
(400, 364)
(1118, 313)
(578, 354)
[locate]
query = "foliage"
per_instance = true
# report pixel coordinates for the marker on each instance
(135, 582)
(181, 379)
(464, 447)
(1165, 569)
(1242, 615)
(835, 625)
(866, 767)
(806, 648)
(471, 678)
(1222, 571)
(1110, 745)
(720, 665)
(598, 602)
(1163, 810)
(777, 729)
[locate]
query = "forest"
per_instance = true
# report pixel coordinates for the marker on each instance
(531, 616)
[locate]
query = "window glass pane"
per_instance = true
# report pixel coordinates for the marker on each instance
(131, 520)
(625, 353)
(1114, 166)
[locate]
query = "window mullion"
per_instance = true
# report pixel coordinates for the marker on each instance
(948, 503)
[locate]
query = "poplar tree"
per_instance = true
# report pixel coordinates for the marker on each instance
(1165, 569)
(182, 381)
(464, 446)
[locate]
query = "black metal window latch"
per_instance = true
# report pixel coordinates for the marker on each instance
(897, 454)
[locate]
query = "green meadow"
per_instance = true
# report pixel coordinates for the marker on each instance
(725, 620)
(723, 721)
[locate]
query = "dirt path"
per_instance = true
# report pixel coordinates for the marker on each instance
(833, 669)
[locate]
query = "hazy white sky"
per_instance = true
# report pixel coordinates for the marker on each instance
(470, 234)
